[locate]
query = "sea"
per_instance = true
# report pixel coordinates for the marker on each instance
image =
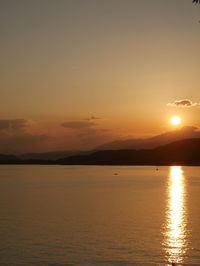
(99, 215)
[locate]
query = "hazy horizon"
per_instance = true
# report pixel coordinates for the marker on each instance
(140, 143)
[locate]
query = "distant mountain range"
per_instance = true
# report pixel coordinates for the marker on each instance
(152, 142)
(182, 152)
(129, 144)
(54, 155)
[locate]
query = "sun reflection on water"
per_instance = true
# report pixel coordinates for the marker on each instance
(175, 227)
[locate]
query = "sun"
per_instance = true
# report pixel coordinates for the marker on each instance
(175, 120)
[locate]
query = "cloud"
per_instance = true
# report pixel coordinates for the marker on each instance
(16, 136)
(183, 103)
(190, 129)
(93, 118)
(78, 124)
(14, 124)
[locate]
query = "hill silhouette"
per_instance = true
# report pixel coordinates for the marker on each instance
(187, 132)
(53, 155)
(8, 158)
(183, 152)
(129, 144)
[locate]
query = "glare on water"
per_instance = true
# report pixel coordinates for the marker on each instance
(86, 215)
(175, 227)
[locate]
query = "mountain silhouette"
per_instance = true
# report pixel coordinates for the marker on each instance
(8, 158)
(53, 155)
(152, 142)
(182, 152)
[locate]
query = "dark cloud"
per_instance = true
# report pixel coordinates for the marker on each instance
(16, 136)
(183, 103)
(78, 124)
(93, 118)
(14, 124)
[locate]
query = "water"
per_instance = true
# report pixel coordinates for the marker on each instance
(64, 215)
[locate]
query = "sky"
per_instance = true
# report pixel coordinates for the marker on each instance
(78, 73)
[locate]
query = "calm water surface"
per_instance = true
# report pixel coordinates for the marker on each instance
(64, 215)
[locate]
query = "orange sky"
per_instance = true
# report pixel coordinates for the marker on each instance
(121, 61)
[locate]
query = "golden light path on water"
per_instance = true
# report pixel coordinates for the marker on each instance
(175, 242)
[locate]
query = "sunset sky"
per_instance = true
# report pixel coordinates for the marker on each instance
(77, 73)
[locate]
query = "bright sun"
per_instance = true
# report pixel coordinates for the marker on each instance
(175, 120)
